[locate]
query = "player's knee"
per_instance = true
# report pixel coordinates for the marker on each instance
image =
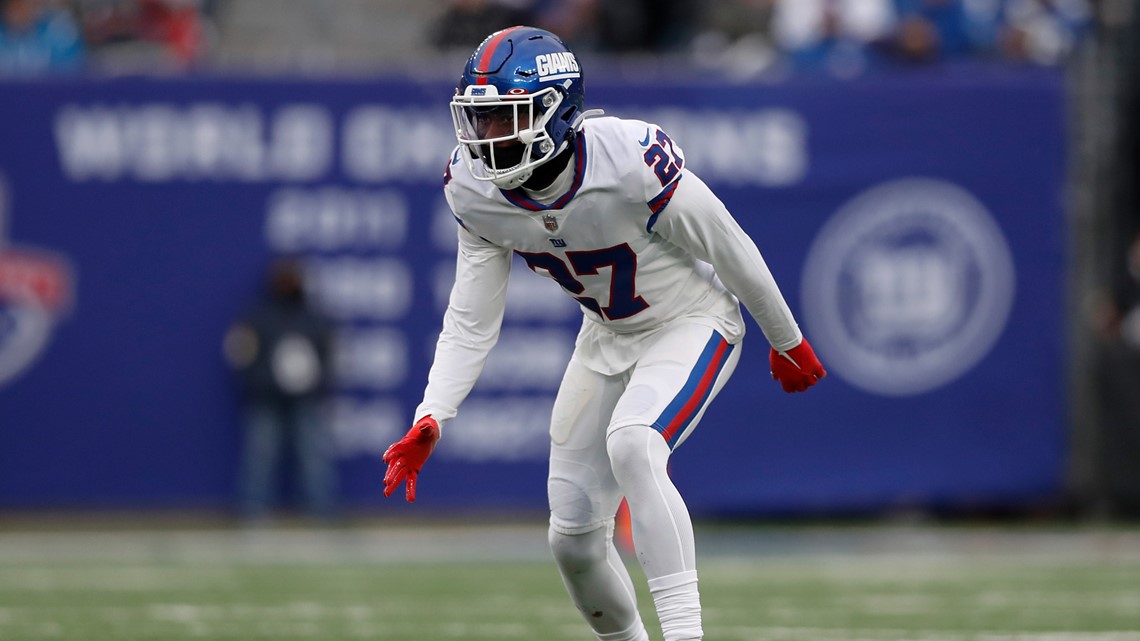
(628, 450)
(570, 503)
(576, 553)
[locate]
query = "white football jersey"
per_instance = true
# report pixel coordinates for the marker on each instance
(635, 237)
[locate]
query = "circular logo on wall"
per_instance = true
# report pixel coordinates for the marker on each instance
(35, 291)
(907, 287)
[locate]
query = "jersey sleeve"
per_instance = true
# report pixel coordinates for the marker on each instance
(698, 222)
(471, 325)
(658, 167)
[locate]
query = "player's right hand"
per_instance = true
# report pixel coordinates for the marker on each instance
(797, 369)
(406, 456)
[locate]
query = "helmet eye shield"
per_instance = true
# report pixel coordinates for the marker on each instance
(494, 123)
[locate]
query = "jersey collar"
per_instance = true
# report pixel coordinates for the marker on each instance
(518, 197)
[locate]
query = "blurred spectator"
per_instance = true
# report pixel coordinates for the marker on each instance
(173, 23)
(837, 36)
(1042, 31)
(736, 37)
(171, 33)
(465, 23)
(1117, 371)
(36, 36)
(930, 30)
(281, 351)
(629, 26)
(1127, 299)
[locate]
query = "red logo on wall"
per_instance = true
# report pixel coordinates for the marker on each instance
(36, 290)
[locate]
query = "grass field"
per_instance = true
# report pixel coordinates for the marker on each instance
(496, 583)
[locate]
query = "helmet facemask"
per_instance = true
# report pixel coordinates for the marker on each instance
(508, 133)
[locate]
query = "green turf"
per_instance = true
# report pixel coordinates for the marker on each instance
(753, 593)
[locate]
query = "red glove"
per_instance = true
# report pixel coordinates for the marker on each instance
(797, 369)
(406, 456)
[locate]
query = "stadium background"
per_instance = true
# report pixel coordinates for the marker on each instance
(987, 203)
(948, 216)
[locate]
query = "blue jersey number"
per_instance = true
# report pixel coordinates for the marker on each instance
(663, 158)
(624, 301)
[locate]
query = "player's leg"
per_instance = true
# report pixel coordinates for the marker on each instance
(583, 499)
(667, 395)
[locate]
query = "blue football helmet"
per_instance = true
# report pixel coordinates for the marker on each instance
(518, 104)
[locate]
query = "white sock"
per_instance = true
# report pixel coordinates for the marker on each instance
(678, 606)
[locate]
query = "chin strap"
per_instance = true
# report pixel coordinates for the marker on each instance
(513, 182)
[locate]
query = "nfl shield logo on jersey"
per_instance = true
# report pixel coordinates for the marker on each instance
(550, 222)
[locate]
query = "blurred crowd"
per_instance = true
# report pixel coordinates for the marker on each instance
(47, 36)
(844, 38)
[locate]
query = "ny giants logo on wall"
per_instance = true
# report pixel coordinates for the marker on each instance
(907, 287)
(36, 290)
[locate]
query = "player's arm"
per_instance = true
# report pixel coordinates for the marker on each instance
(471, 325)
(698, 222)
(471, 328)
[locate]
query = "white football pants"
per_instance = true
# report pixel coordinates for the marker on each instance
(611, 436)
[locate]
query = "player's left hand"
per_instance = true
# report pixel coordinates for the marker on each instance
(406, 456)
(797, 369)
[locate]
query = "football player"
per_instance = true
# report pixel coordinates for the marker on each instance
(607, 209)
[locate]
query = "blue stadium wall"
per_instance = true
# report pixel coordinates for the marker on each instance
(915, 223)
